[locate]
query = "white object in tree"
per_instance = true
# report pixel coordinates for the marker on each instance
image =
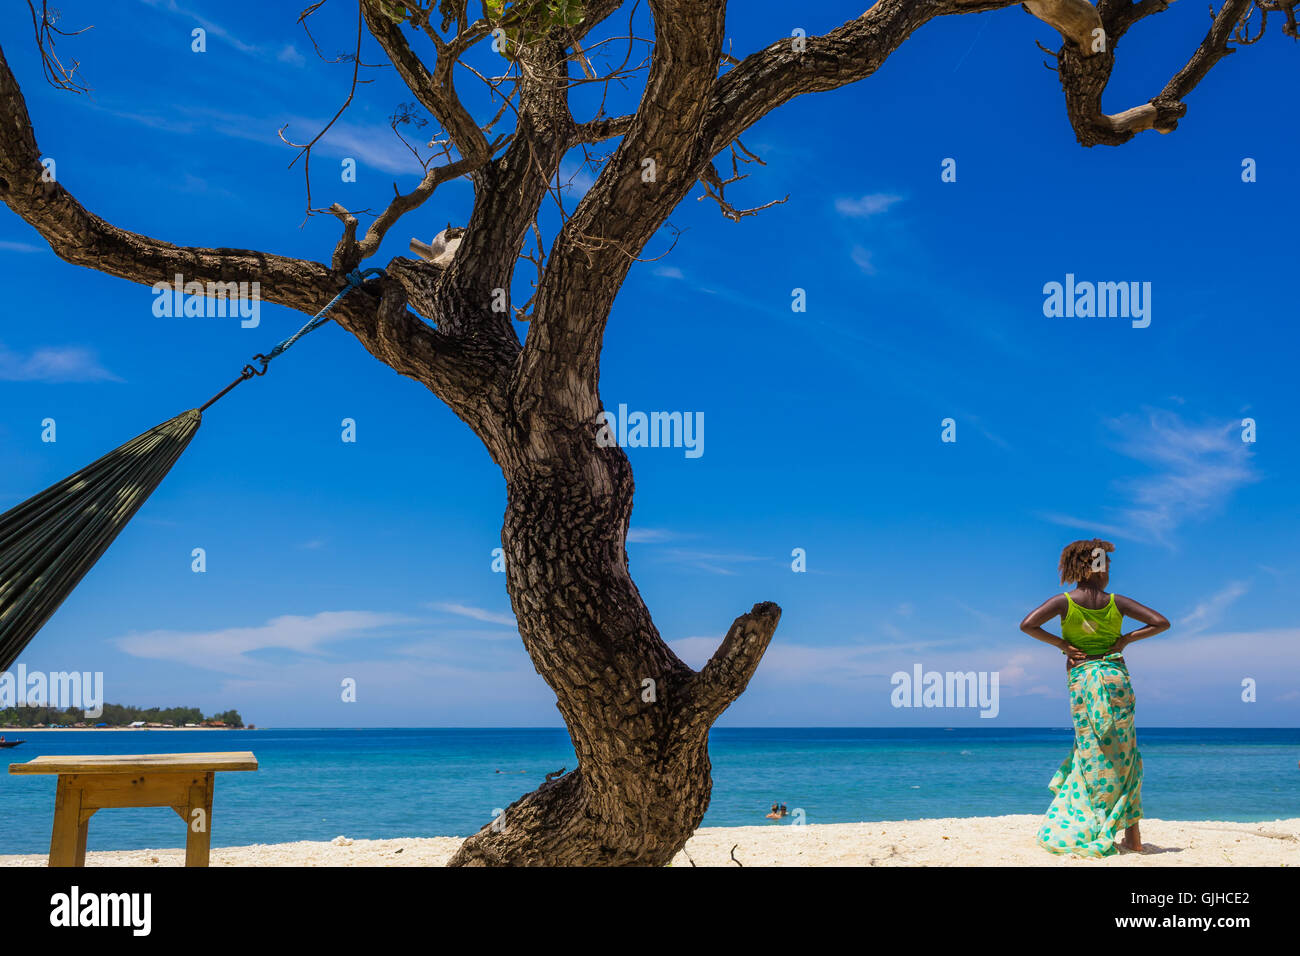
(442, 250)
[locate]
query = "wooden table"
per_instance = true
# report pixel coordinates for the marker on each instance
(89, 783)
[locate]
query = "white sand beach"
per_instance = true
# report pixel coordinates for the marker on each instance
(969, 841)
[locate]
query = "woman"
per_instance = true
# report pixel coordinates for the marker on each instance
(1098, 789)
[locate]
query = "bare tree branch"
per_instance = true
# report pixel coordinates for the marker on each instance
(728, 671)
(1076, 20)
(80, 237)
(513, 186)
(602, 129)
(1212, 49)
(304, 149)
(793, 66)
(434, 88)
(1084, 79)
(404, 203)
(715, 186)
(655, 165)
(46, 26)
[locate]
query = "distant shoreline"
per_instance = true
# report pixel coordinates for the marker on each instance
(100, 730)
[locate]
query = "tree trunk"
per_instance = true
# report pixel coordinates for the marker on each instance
(637, 715)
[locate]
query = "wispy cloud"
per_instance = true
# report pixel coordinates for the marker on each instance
(978, 424)
(1209, 612)
(866, 206)
(862, 258)
(991, 621)
(649, 535)
(1197, 468)
(1070, 521)
(289, 54)
(215, 29)
(1173, 668)
(53, 364)
(1194, 470)
(476, 613)
(370, 144)
(669, 272)
(228, 649)
(1221, 659)
(170, 123)
(9, 246)
(712, 561)
(852, 663)
(464, 644)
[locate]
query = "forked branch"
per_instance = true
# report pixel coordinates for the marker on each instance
(725, 676)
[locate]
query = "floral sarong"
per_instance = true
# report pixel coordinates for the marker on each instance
(1099, 786)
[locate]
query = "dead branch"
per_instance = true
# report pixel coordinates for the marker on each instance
(305, 149)
(46, 28)
(712, 180)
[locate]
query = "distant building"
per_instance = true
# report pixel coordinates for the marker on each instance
(136, 723)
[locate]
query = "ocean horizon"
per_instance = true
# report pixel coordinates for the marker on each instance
(391, 782)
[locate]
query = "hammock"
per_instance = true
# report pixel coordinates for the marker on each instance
(50, 541)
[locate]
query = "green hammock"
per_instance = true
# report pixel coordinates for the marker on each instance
(50, 541)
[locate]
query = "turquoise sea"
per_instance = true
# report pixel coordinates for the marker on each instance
(383, 783)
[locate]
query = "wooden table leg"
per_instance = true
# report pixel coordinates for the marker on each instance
(68, 837)
(83, 831)
(198, 828)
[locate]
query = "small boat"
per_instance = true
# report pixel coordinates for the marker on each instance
(11, 743)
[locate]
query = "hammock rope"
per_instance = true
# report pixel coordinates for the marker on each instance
(50, 541)
(355, 278)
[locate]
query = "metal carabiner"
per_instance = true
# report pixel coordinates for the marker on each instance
(245, 374)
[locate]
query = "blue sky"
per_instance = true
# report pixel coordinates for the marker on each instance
(373, 560)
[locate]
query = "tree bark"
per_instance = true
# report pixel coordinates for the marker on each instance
(637, 715)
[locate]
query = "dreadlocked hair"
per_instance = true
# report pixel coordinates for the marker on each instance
(1079, 557)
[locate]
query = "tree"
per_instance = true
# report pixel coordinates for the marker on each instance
(230, 718)
(643, 782)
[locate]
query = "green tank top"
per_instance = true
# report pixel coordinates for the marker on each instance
(1092, 632)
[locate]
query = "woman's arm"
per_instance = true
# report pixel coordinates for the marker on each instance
(1033, 626)
(1155, 621)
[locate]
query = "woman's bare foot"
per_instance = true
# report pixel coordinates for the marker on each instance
(1133, 839)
